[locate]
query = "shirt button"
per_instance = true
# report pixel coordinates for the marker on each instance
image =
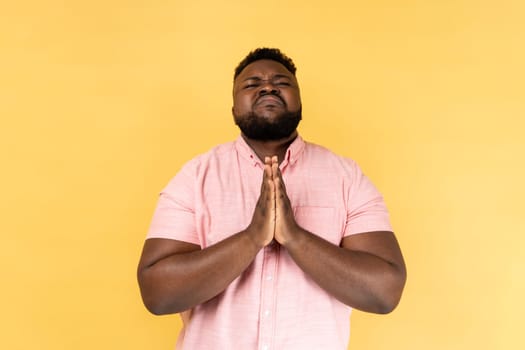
(265, 347)
(269, 277)
(266, 313)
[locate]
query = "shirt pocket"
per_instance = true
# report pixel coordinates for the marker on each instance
(321, 221)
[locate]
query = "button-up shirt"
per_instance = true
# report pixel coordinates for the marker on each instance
(273, 304)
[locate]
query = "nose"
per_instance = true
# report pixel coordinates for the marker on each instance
(267, 87)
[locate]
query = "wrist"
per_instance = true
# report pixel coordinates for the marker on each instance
(257, 241)
(292, 236)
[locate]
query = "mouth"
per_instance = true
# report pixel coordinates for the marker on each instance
(269, 100)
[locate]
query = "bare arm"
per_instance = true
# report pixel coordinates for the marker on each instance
(366, 272)
(175, 276)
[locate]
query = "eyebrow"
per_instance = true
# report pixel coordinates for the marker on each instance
(276, 76)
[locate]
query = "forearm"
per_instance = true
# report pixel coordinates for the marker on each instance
(180, 281)
(361, 280)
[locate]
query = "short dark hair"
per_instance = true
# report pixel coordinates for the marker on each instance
(265, 53)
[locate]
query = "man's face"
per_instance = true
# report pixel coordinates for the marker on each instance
(266, 101)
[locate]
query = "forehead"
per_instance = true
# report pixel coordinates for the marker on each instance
(264, 69)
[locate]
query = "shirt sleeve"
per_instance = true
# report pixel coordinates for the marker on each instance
(366, 209)
(174, 216)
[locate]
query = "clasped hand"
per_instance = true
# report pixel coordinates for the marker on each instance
(273, 216)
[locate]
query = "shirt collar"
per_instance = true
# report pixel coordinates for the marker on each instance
(293, 152)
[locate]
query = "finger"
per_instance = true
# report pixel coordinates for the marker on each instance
(282, 200)
(275, 171)
(278, 179)
(268, 171)
(268, 187)
(271, 189)
(268, 166)
(269, 193)
(278, 183)
(274, 162)
(267, 175)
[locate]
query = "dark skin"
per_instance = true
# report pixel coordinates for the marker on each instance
(366, 271)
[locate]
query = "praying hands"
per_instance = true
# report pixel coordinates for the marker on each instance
(273, 216)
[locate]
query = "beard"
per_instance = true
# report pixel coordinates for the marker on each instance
(261, 129)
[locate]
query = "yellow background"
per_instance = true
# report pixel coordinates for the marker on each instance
(101, 102)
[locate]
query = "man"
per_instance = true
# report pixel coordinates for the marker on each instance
(268, 242)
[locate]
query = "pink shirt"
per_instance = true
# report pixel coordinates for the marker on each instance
(273, 304)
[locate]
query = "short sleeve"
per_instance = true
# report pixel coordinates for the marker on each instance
(366, 209)
(174, 216)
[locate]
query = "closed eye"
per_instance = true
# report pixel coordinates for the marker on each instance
(252, 85)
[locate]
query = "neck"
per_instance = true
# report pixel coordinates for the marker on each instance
(270, 148)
